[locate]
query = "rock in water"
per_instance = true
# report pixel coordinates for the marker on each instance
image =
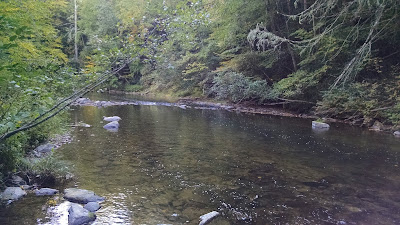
(92, 206)
(78, 215)
(46, 191)
(319, 125)
(206, 218)
(12, 193)
(81, 196)
(397, 133)
(112, 118)
(112, 126)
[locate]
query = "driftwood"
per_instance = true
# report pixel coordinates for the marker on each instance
(61, 105)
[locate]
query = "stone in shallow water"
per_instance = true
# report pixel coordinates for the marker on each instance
(112, 126)
(12, 193)
(78, 215)
(206, 218)
(81, 196)
(112, 118)
(397, 133)
(46, 191)
(92, 206)
(319, 125)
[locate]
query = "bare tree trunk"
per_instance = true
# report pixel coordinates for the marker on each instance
(76, 31)
(305, 4)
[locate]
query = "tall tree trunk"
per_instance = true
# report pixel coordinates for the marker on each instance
(76, 31)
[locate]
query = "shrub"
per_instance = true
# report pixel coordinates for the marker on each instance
(236, 87)
(133, 88)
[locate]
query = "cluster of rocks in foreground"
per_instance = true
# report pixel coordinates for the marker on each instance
(84, 203)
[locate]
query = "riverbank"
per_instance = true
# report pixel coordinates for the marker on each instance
(247, 107)
(39, 167)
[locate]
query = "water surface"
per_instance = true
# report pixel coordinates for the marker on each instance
(168, 165)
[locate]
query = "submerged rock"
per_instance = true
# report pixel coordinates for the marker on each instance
(206, 218)
(81, 196)
(46, 191)
(320, 125)
(92, 206)
(111, 118)
(78, 215)
(12, 193)
(81, 124)
(111, 126)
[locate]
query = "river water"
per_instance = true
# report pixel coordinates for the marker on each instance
(168, 165)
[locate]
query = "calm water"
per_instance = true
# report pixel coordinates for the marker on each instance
(168, 165)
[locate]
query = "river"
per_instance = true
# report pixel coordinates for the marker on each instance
(168, 165)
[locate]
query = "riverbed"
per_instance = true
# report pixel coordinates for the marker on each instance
(170, 165)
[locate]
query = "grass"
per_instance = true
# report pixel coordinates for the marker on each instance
(48, 170)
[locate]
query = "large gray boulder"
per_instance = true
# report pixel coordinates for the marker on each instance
(92, 206)
(12, 193)
(78, 215)
(112, 126)
(81, 196)
(46, 192)
(206, 218)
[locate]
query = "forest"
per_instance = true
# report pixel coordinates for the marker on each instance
(334, 59)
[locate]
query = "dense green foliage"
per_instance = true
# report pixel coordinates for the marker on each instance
(332, 58)
(340, 56)
(31, 80)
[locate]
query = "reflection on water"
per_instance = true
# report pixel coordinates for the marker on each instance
(167, 165)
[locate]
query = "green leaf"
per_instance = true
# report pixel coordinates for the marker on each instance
(12, 38)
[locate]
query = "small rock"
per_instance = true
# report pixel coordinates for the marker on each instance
(78, 215)
(92, 206)
(81, 196)
(111, 126)
(397, 133)
(206, 218)
(112, 118)
(319, 125)
(26, 187)
(46, 191)
(82, 101)
(378, 126)
(12, 193)
(45, 148)
(17, 180)
(81, 124)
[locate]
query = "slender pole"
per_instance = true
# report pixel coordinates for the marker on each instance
(76, 31)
